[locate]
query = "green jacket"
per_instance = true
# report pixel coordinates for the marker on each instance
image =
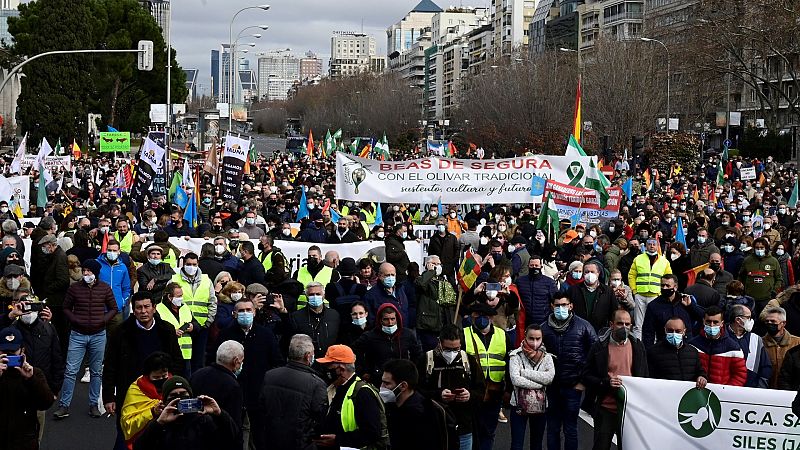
(612, 257)
(762, 277)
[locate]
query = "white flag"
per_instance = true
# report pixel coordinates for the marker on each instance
(16, 164)
(44, 150)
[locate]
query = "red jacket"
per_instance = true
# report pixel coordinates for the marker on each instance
(722, 359)
(89, 308)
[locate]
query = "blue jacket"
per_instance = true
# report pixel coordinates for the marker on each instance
(660, 310)
(118, 278)
(313, 234)
(377, 296)
(759, 375)
(570, 348)
(535, 292)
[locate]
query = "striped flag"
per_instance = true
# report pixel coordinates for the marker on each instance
(469, 270)
(647, 182)
(310, 146)
(691, 274)
(366, 150)
(576, 127)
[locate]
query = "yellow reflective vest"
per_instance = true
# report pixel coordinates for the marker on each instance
(348, 413)
(493, 360)
(646, 280)
(266, 260)
(170, 258)
(125, 243)
(304, 277)
(184, 317)
(197, 300)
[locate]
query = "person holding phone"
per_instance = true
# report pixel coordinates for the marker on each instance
(175, 312)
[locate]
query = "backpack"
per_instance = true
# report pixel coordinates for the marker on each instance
(446, 425)
(429, 363)
(345, 301)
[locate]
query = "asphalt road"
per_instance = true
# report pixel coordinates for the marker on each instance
(81, 432)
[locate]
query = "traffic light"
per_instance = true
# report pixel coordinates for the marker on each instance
(145, 56)
(637, 144)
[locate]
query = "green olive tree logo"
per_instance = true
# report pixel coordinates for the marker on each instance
(699, 412)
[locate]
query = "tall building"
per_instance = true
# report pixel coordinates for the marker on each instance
(248, 82)
(277, 73)
(215, 74)
(8, 8)
(191, 84)
(511, 22)
(351, 54)
(618, 19)
(159, 9)
(310, 66)
(555, 25)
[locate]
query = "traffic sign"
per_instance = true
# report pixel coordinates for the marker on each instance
(727, 143)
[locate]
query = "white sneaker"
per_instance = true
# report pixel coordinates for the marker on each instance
(85, 378)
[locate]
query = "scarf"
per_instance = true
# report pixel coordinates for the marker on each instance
(557, 325)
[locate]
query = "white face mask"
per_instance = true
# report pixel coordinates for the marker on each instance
(380, 234)
(89, 279)
(236, 296)
(177, 301)
(491, 295)
(219, 249)
(29, 318)
(507, 280)
(590, 278)
(13, 283)
(438, 270)
(190, 270)
(287, 231)
(450, 355)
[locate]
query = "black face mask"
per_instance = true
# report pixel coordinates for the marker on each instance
(216, 228)
(330, 375)
(342, 229)
(233, 244)
(667, 292)
(620, 334)
(714, 266)
(158, 384)
(772, 329)
(536, 272)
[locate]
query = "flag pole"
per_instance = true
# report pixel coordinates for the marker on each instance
(458, 305)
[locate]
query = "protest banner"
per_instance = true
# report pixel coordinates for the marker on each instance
(659, 414)
(22, 192)
(233, 159)
(571, 200)
(159, 185)
(748, 173)
(151, 156)
(51, 163)
(454, 181)
(115, 141)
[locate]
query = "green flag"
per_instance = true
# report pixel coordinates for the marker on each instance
(59, 148)
(177, 179)
(795, 194)
(329, 143)
(354, 146)
(574, 148)
(724, 152)
(252, 155)
(593, 182)
(338, 135)
(548, 220)
(382, 148)
(41, 197)
(721, 174)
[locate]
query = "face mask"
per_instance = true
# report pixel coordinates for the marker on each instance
(580, 235)
(743, 247)
(511, 248)
(507, 281)
(616, 283)
(404, 235)
(667, 292)
(714, 266)
(448, 355)
(482, 322)
(725, 223)
(772, 328)
(711, 331)
(360, 322)
(238, 371)
(440, 228)
(342, 230)
(387, 395)
(13, 283)
(219, 249)
(158, 384)
(153, 220)
(611, 229)
(207, 201)
(767, 226)
(389, 281)
(45, 250)
(4, 209)
(748, 325)
(244, 319)
(535, 272)
(104, 230)
(389, 330)
(652, 253)
(760, 253)
(452, 215)
(491, 295)
(590, 278)
(674, 256)
(177, 301)
(154, 262)
(779, 252)
(438, 270)
(728, 248)
(287, 232)
(561, 312)
(311, 206)
(315, 301)
(484, 240)
(701, 239)
(380, 235)
(745, 218)
(577, 275)
(675, 339)
(29, 318)
(250, 221)
(89, 279)
(112, 256)
(620, 335)
(190, 270)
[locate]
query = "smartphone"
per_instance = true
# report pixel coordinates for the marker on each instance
(190, 405)
(185, 326)
(493, 287)
(15, 360)
(33, 307)
(459, 391)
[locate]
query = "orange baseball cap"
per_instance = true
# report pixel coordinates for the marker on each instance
(569, 236)
(338, 354)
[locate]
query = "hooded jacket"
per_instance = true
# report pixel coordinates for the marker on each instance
(374, 347)
(116, 276)
(722, 358)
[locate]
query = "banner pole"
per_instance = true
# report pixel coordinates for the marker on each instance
(458, 306)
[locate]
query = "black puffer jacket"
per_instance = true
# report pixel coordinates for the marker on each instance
(323, 328)
(375, 347)
(21, 399)
(43, 350)
(294, 402)
(665, 362)
(570, 346)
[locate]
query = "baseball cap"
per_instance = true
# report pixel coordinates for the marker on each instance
(338, 354)
(569, 236)
(11, 339)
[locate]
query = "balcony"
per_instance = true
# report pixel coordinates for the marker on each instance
(590, 26)
(621, 17)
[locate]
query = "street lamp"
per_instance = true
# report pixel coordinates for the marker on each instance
(644, 39)
(230, 57)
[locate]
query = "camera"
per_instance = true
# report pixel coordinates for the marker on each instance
(32, 307)
(15, 360)
(190, 405)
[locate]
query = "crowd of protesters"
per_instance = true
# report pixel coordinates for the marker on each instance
(380, 351)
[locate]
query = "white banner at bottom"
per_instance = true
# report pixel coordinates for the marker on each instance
(660, 414)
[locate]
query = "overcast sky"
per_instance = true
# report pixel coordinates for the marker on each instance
(301, 25)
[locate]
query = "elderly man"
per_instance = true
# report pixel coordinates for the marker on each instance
(759, 366)
(10, 229)
(778, 341)
(388, 291)
(250, 228)
(317, 320)
(341, 233)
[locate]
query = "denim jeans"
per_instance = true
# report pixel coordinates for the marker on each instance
(94, 346)
(563, 406)
(486, 425)
(465, 442)
(199, 342)
(520, 422)
(606, 425)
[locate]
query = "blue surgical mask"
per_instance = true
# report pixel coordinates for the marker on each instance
(561, 312)
(389, 281)
(360, 322)
(112, 256)
(675, 339)
(154, 262)
(701, 239)
(244, 319)
(760, 253)
(711, 331)
(238, 371)
(481, 322)
(389, 330)
(315, 301)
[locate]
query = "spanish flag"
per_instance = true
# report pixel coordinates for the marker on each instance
(647, 181)
(576, 128)
(691, 274)
(310, 146)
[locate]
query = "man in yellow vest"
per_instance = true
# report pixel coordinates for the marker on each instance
(313, 270)
(356, 416)
(644, 279)
(489, 346)
(199, 295)
(125, 236)
(273, 260)
(175, 312)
